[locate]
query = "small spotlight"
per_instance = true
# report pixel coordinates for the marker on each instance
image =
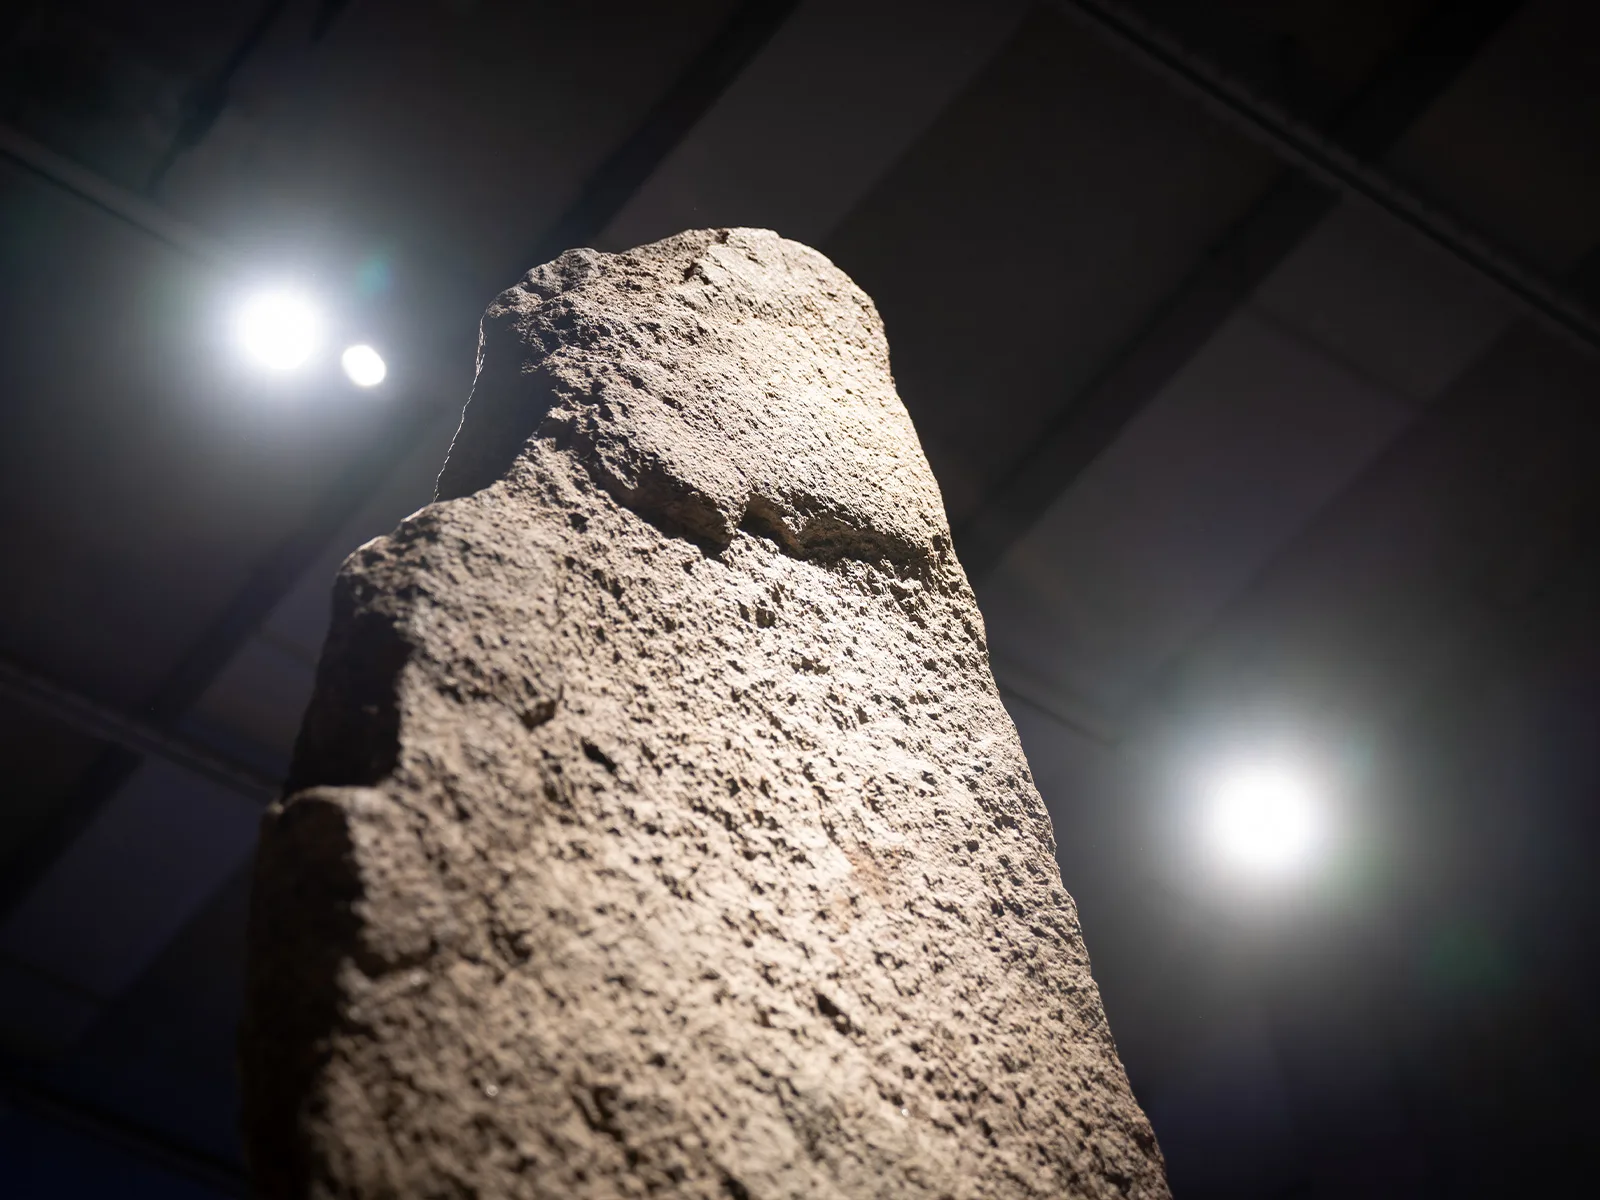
(364, 366)
(279, 329)
(1265, 818)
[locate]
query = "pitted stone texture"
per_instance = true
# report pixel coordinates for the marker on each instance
(656, 828)
(712, 380)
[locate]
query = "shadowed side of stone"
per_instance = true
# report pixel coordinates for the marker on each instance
(656, 827)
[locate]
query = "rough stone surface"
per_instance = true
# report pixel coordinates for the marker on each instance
(656, 827)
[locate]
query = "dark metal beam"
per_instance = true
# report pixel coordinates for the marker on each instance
(1337, 164)
(46, 1105)
(116, 202)
(704, 81)
(610, 187)
(1431, 59)
(80, 712)
(206, 103)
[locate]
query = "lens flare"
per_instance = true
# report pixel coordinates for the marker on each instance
(364, 366)
(279, 330)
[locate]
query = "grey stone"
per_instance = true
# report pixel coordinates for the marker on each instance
(656, 827)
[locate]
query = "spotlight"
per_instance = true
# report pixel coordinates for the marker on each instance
(1265, 818)
(279, 329)
(364, 366)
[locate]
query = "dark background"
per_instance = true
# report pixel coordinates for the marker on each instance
(1250, 342)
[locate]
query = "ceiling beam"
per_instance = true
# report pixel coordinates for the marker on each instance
(1432, 58)
(108, 723)
(224, 1178)
(116, 202)
(1341, 164)
(608, 190)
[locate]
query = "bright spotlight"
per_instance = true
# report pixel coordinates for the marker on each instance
(1265, 818)
(364, 366)
(279, 329)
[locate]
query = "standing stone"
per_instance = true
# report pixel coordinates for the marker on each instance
(656, 827)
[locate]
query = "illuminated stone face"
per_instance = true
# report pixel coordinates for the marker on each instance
(656, 827)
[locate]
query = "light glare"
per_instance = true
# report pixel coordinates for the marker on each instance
(1266, 819)
(279, 329)
(364, 366)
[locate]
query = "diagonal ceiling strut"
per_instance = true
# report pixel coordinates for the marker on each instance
(1436, 53)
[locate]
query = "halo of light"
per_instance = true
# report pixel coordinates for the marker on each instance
(1266, 819)
(364, 366)
(279, 329)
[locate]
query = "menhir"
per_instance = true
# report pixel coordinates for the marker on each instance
(656, 827)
